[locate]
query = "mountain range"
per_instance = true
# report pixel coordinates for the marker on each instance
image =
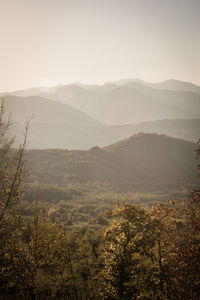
(132, 102)
(82, 116)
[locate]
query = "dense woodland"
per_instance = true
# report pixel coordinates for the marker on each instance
(67, 242)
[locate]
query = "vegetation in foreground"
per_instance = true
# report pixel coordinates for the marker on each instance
(136, 254)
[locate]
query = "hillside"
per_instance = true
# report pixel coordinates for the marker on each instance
(145, 162)
(45, 111)
(52, 123)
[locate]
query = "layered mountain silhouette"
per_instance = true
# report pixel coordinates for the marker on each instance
(142, 162)
(82, 116)
(130, 103)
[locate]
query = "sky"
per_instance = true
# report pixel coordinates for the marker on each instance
(50, 42)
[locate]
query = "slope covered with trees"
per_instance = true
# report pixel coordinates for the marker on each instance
(143, 162)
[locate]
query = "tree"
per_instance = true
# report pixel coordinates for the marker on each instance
(11, 167)
(124, 264)
(188, 254)
(138, 255)
(11, 179)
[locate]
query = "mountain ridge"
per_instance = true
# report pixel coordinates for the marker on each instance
(186, 86)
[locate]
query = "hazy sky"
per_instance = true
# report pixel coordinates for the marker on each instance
(47, 42)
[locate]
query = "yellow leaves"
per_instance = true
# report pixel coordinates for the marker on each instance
(7, 255)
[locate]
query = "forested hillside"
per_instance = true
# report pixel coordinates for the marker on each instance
(143, 162)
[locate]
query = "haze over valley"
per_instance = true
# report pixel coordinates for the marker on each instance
(80, 116)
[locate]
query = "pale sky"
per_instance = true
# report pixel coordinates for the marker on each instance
(49, 42)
